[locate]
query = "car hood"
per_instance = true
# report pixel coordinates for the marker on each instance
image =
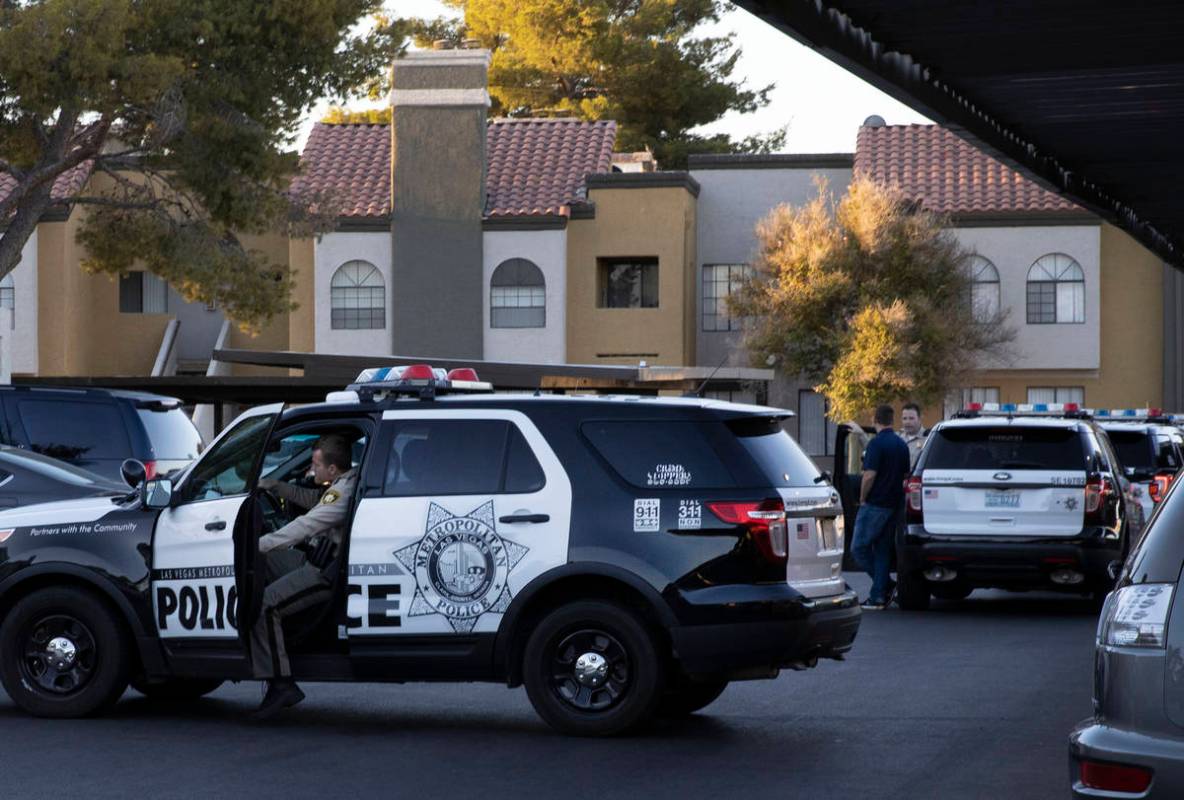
(83, 509)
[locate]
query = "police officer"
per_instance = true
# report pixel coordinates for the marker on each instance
(293, 582)
(912, 432)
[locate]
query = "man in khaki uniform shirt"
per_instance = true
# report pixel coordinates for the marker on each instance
(911, 431)
(294, 584)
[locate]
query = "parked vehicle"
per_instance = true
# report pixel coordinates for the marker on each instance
(98, 429)
(27, 478)
(1133, 745)
(618, 557)
(1012, 497)
(1150, 450)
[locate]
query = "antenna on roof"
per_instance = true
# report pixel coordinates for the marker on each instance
(699, 392)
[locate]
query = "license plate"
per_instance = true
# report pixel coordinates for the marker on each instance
(1003, 500)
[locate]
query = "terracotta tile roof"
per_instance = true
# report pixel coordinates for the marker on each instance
(535, 167)
(68, 184)
(949, 176)
(352, 163)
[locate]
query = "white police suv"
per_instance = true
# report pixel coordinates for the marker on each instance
(1150, 449)
(618, 556)
(1014, 497)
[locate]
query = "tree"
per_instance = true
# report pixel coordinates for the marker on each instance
(638, 62)
(186, 110)
(870, 298)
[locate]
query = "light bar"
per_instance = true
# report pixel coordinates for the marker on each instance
(422, 379)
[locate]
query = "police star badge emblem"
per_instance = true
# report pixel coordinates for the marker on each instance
(461, 566)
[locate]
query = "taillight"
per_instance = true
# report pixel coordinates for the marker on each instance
(765, 522)
(912, 493)
(149, 470)
(1097, 490)
(1160, 485)
(1115, 777)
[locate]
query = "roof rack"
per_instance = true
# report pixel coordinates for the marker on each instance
(1010, 410)
(416, 380)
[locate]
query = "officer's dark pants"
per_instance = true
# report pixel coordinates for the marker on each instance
(292, 585)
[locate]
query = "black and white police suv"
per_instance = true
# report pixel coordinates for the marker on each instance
(1013, 497)
(619, 556)
(1150, 450)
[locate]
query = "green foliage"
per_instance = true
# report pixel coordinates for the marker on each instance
(189, 108)
(638, 62)
(869, 297)
(338, 115)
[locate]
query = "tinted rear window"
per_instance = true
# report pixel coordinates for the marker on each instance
(658, 454)
(1005, 448)
(778, 456)
(1133, 448)
(74, 430)
(173, 436)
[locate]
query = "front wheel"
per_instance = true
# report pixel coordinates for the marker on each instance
(175, 690)
(592, 669)
(63, 654)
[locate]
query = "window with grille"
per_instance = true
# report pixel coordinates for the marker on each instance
(627, 282)
(517, 295)
(719, 281)
(1056, 291)
(984, 289)
(1056, 394)
(357, 296)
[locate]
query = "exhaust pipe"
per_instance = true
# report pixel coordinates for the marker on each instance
(939, 574)
(1066, 577)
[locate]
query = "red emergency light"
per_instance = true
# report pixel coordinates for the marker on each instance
(418, 372)
(463, 374)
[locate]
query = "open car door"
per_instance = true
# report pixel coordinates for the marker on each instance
(851, 440)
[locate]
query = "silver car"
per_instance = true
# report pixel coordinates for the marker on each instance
(1133, 746)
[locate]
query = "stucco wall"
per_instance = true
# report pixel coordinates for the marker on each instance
(632, 222)
(1013, 250)
(302, 320)
(18, 329)
(547, 249)
(331, 251)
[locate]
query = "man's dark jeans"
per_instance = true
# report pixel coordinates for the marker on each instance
(871, 546)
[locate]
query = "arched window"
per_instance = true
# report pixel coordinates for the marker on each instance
(357, 297)
(984, 289)
(1056, 290)
(7, 292)
(517, 295)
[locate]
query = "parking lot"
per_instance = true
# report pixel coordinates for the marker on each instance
(971, 699)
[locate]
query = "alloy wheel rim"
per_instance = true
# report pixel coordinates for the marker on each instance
(590, 670)
(59, 656)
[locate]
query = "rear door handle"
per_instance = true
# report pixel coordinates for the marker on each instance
(216, 525)
(525, 518)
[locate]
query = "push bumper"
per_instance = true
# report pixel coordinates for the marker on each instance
(999, 563)
(738, 630)
(1093, 741)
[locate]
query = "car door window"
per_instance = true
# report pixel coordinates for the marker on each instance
(72, 431)
(459, 457)
(225, 470)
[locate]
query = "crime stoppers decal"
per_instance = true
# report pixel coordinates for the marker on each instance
(461, 566)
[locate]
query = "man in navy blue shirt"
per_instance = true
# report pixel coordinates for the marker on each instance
(881, 497)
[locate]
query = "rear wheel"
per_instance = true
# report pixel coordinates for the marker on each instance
(63, 653)
(175, 690)
(592, 669)
(912, 593)
(687, 697)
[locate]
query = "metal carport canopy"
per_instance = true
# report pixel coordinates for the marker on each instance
(1085, 96)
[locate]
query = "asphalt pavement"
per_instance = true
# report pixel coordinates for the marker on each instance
(972, 699)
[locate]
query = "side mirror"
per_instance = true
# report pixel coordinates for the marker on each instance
(157, 493)
(133, 472)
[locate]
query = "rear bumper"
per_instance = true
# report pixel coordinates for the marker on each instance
(732, 630)
(1094, 741)
(1006, 564)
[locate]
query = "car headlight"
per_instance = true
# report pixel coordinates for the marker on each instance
(1137, 616)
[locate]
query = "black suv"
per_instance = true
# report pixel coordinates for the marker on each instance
(98, 429)
(619, 557)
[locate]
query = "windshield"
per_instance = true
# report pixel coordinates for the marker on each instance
(1009, 447)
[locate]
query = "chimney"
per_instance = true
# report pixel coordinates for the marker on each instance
(439, 103)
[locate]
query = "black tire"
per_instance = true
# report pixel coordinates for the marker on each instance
(631, 679)
(688, 697)
(956, 591)
(175, 690)
(912, 593)
(87, 669)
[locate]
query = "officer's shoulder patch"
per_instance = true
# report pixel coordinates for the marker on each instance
(331, 496)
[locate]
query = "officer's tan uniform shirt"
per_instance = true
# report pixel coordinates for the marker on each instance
(915, 442)
(327, 516)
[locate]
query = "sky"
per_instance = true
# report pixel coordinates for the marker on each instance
(821, 102)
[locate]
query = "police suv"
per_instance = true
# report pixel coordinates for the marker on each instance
(1150, 449)
(1013, 497)
(618, 556)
